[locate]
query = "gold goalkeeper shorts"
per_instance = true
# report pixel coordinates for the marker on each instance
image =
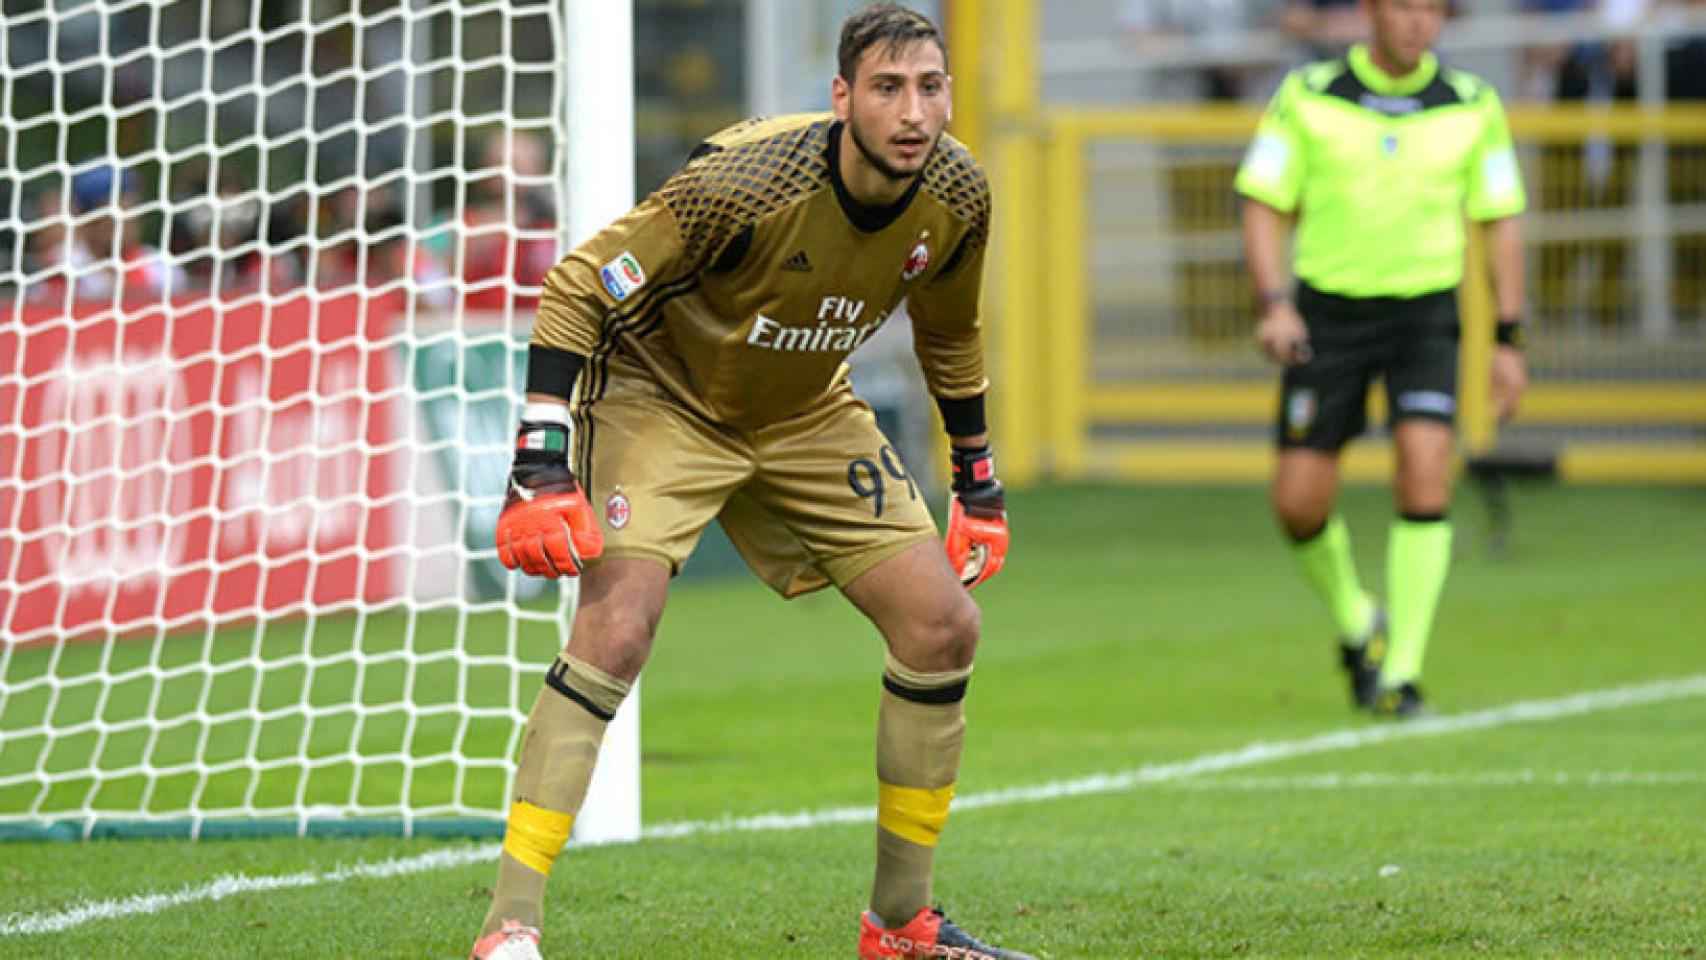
(814, 499)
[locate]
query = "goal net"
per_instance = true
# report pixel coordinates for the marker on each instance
(267, 271)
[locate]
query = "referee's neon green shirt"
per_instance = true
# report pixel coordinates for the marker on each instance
(1381, 172)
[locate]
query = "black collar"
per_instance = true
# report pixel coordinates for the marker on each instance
(1438, 93)
(868, 219)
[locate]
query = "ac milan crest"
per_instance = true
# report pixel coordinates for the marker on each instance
(916, 261)
(618, 511)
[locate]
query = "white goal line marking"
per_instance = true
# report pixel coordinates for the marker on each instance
(1530, 711)
(233, 884)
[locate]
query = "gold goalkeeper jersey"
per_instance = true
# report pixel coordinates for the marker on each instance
(744, 282)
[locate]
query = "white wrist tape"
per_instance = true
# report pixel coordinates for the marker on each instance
(546, 412)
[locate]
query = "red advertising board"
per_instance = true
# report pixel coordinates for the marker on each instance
(172, 466)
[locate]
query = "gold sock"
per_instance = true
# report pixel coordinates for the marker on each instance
(920, 731)
(558, 751)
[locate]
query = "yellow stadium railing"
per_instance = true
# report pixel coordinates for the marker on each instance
(1125, 315)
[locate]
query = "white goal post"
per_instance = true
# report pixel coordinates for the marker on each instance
(267, 272)
(601, 188)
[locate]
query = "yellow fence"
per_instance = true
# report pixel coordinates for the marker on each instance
(1124, 314)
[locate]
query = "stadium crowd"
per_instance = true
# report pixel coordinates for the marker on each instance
(147, 231)
(1325, 28)
(94, 236)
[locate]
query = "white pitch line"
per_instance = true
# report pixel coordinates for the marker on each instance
(231, 885)
(1530, 711)
(1504, 778)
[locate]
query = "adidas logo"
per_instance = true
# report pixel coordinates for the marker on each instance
(799, 263)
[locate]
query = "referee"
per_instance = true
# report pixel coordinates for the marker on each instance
(1378, 157)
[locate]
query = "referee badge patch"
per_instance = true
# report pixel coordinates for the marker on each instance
(1268, 158)
(1499, 175)
(1299, 411)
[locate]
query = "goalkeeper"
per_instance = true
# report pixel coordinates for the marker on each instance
(687, 364)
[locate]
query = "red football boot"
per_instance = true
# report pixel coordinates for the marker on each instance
(927, 934)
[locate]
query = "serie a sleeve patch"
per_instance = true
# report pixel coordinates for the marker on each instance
(623, 275)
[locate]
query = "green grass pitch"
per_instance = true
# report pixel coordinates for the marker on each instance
(1132, 629)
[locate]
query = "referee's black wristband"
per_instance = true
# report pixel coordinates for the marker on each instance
(1509, 333)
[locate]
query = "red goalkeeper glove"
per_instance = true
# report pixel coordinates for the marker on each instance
(547, 529)
(977, 517)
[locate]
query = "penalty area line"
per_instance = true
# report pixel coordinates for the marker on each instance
(1257, 754)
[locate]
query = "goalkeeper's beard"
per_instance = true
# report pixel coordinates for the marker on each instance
(882, 166)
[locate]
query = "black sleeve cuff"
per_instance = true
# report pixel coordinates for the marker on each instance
(553, 371)
(964, 417)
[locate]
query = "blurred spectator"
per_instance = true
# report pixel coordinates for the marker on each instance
(509, 223)
(342, 221)
(48, 232)
(1214, 27)
(103, 254)
(285, 240)
(189, 219)
(1325, 28)
(1591, 278)
(367, 244)
(1685, 81)
(11, 252)
(216, 234)
(1542, 65)
(394, 254)
(1685, 61)
(1198, 205)
(1601, 72)
(225, 238)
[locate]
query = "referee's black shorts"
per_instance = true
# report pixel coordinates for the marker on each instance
(1409, 342)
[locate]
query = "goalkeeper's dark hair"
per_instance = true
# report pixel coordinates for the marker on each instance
(890, 24)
